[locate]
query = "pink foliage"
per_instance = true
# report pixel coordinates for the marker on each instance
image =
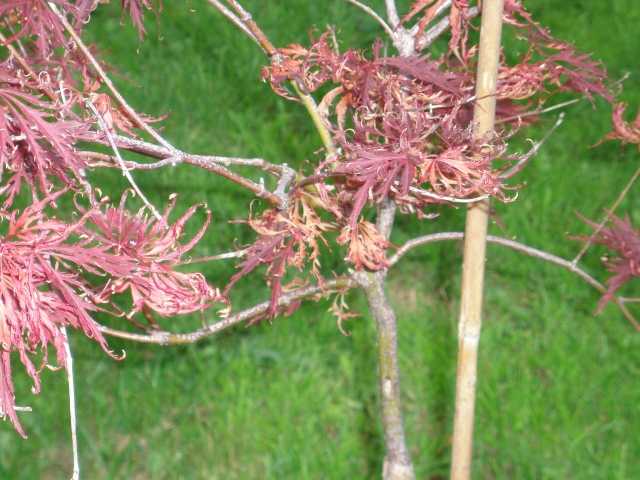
(402, 128)
(626, 132)
(624, 241)
(42, 287)
(35, 143)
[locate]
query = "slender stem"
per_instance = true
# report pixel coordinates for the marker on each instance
(372, 13)
(318, 121)
(156, 151)
(518, 167)
(125, 171)
(539, 111)
(525, 249)
(168, 338)
(235, 20)
(107, 81)
(72, 406)
(392, 13)
(220, 256)
(210, 163)
(253, 27)
(346, 283)
(431, 35)
(444, 198)
(470, 322)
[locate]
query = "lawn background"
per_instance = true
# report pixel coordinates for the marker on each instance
(558, 388)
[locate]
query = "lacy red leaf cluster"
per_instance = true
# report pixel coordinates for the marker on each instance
(403, 125)
(623, 240)
(43, 287)
(289, 238)
(402, 128)
(626, 132)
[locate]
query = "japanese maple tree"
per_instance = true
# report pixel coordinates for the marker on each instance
(399, 136)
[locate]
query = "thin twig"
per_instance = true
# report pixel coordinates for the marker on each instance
(606, 218)
(518, 167)
(443, 6)
(179, 156)
(392, 13)
(431, 35)
(20, 409)
(72, 405)
(630, 299)
(445, 198)
(539, 111)
(346, 283)
(318, 120)
(125, 171)
(220, 256)
(207, 162)
(167, 338)
(519, 247)
(133, 115)
(253, 27)
(235, 20)
(372, 13)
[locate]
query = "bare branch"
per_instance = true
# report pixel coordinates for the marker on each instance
(125, 171)
(17, 409)
(522, 248)
(445, 198)
(518, 167)
(246, 18)
(211, 163)
(166, 338)
(179, 156)
(443, 6)
(630, 299)
(431, 35)
(220, 256)
(392, 13)
(235, 20)
(372, 13)
(539, 111)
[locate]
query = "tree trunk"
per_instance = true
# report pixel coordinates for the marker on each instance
(397, 461)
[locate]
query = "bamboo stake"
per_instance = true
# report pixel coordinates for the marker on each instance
(475, 241)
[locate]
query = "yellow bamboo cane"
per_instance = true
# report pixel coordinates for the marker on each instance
(475, 239)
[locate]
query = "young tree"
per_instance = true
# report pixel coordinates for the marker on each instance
(400, 134)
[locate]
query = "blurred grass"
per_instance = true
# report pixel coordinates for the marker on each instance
(557, 390)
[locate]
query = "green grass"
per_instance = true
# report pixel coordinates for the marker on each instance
(557, 391)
